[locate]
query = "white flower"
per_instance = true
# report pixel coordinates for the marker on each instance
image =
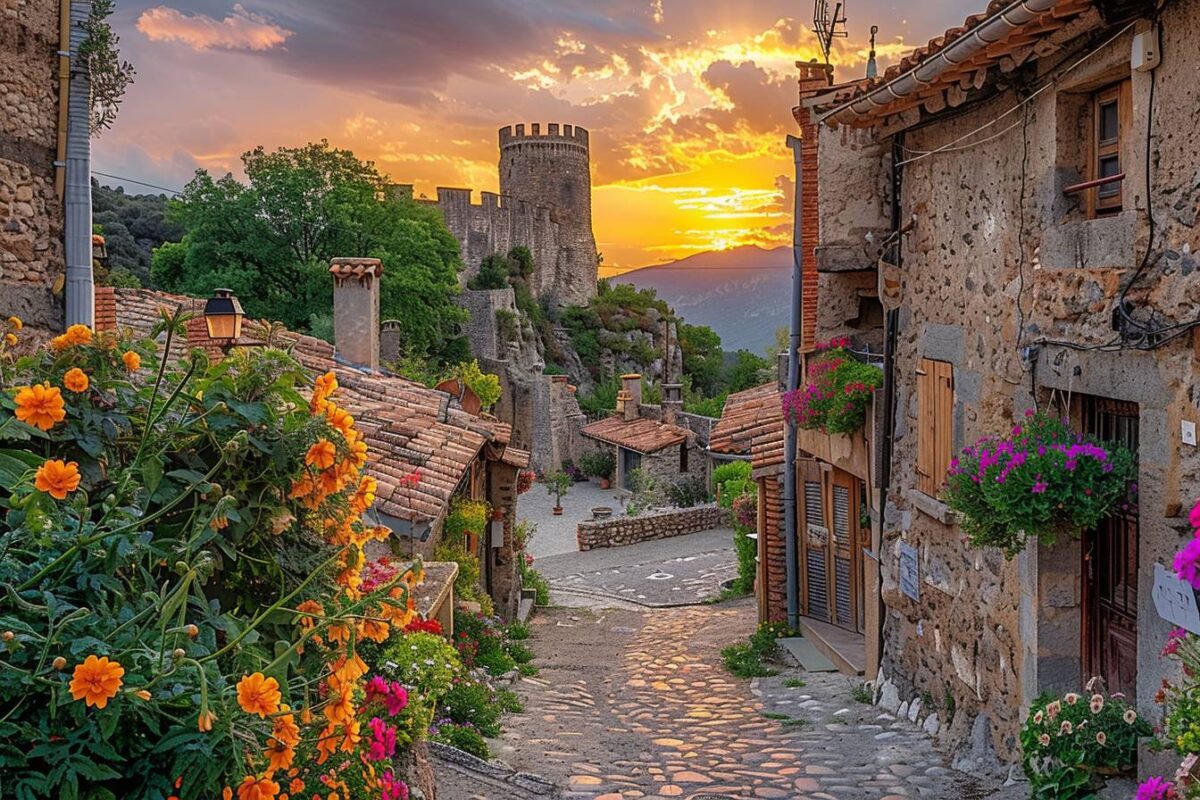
(1100, 737)
(1097, 703)
(1044, 740)
(1037, 718)
(1066, 727)
(1071, 699)
(1130, 716)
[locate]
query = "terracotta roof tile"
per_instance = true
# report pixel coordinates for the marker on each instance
(408, 427)
(746, 414)
(641, 434)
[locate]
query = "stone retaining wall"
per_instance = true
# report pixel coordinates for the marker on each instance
(661, 525)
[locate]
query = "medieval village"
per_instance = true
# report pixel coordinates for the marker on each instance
(804, 414)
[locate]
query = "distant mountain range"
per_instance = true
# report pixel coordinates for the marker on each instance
(741, 293)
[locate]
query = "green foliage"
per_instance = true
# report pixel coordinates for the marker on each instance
(795, 683)
(558, 483)
(271, 239)
(747, 371)
(747, 558)
(705, 406)
(108, 75)
(703, 358)
(1040, 483)
(598, 463)
(643, 488)
(687, 492)
(470, 702)
(465, 737)
(493, 273)
(467, 585)
(484, 643)
(532, 579)
(745, 660)
(132, 225)
(603, 398)
(485, 385)
(838, 393)
(733, 478)
(424, 662)
(466, 517)
(1181, 699)
(862, 693)
(553, 369)
(509, 324)
(1065, 741)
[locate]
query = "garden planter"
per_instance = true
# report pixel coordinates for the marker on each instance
(601, 512)
(557, 511)
(605, 483)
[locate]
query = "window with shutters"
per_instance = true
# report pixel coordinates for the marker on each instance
(1111, 112)
(935, 426)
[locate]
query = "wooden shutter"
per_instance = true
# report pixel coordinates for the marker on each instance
(844, 526)
(935, 432)
(814, 539)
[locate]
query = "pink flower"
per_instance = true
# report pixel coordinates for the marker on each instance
(1156, 788)
(392, 788)
(383, 740)
(1039, 486)
(1029, 412)
(1194, 516)
(1187, 563)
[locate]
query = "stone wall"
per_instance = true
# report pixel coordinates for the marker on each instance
(482, 328)
(986, 273)
(31, 212)
(662, 525)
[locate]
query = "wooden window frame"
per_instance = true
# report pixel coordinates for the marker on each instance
(935, 424)
(1120, 94)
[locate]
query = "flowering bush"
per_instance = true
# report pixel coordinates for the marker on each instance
(483, 643)
(464, 736)
(525, 480)
(1066, 741)
(466, 517)
(1041, 482)
(838, 392)
(184, 593)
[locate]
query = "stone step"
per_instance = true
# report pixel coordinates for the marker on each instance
(525, 609)
(806, 654)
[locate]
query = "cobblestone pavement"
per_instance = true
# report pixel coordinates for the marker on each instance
(636, 704)
(664, 572)
(556, 535)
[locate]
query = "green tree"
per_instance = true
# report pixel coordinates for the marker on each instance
(270, 240)
(703, 358)
(783, 341)
(746, 371)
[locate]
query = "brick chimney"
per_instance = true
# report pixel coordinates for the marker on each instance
(672, 402)
(631, 388)
(815, 78)
(356, 309)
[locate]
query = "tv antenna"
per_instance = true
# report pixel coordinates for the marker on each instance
(829, 25)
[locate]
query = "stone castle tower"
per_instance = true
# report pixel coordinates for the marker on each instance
(552, 169)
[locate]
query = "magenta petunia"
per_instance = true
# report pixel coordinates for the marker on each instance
(1187, 563)
(1156, 788)
(1194, 516)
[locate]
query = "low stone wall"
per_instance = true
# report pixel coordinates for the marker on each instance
(655, 525)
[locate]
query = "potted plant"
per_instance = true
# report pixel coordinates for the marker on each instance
(838, 391)
(557, 484)
(1041, 482)
(599, 464)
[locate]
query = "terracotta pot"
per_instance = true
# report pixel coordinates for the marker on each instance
(604, 483)
(558, 511)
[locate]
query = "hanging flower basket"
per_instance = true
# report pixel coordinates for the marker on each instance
(838, 393)
(1042, 482)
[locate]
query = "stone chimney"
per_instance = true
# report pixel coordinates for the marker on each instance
(389, 341)
(672, 402)
(631, 388)
(356, 309)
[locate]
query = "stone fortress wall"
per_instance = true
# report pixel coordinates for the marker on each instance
(31, 211)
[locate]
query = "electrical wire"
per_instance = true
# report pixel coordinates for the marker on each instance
(951, 145)
(139, 183)
(1021, 229)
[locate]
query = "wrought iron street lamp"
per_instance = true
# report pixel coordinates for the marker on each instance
(223, 314)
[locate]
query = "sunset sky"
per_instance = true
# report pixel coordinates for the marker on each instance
(688, 101)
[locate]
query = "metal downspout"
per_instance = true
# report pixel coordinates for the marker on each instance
(80, 287)
(64, 92)
(789, 445)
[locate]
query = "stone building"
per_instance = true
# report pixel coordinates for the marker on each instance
(1029, 238)
(544, 204)
(31, 131)
(657, 439)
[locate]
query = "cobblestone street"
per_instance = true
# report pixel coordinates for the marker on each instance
(636, 704)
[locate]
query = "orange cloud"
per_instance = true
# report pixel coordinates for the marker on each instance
(240, 30)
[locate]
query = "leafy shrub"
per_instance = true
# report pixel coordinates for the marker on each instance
(424, 662)
(485, 385)
(483, 643)
(1065, 741)
(642, 487)
(532, 579)
(598, 463)
(177, 529)
(465, 737)
(838, 392)
(474, 703)
(466, 585)
(747, 558)
(558, 484)
(518, 631)
(734, 481)
(508, 324)
(705, 406)
(687, 492)
(745, 660)
(493, 274)
(466, 517)
(1042, 482)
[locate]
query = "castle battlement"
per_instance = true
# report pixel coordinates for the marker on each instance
(574, 135)
(457, 198)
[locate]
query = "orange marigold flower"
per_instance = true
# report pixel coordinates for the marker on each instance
(327, 743)
(258, 694)
(78, 334)
(339, 417)
(279, 755)
(76, 380)
(286, 730)
(338, 633)
(15, 323)
(296, 786)
(58, 343)
(205, 723)
(133, 362)
(321, 455)
(142, 694)
(10, 339)
(96, 681)
(301, 487)
(375, 630)
(310, 607)
(323, 387)
(57, 478)
(351, 736)
(227, 793)
(41, 406)
(257, 788)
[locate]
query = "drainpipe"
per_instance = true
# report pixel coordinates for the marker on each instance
(80, 288)
(994, 29)
(789, 442)
(64, 92)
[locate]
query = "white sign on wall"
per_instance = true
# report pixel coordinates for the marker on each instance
(1175, 600)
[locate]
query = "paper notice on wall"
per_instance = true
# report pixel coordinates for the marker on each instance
(1175, 600)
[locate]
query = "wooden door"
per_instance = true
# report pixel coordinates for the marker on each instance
(1110, 564)
(843, 504)
(814, 538)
